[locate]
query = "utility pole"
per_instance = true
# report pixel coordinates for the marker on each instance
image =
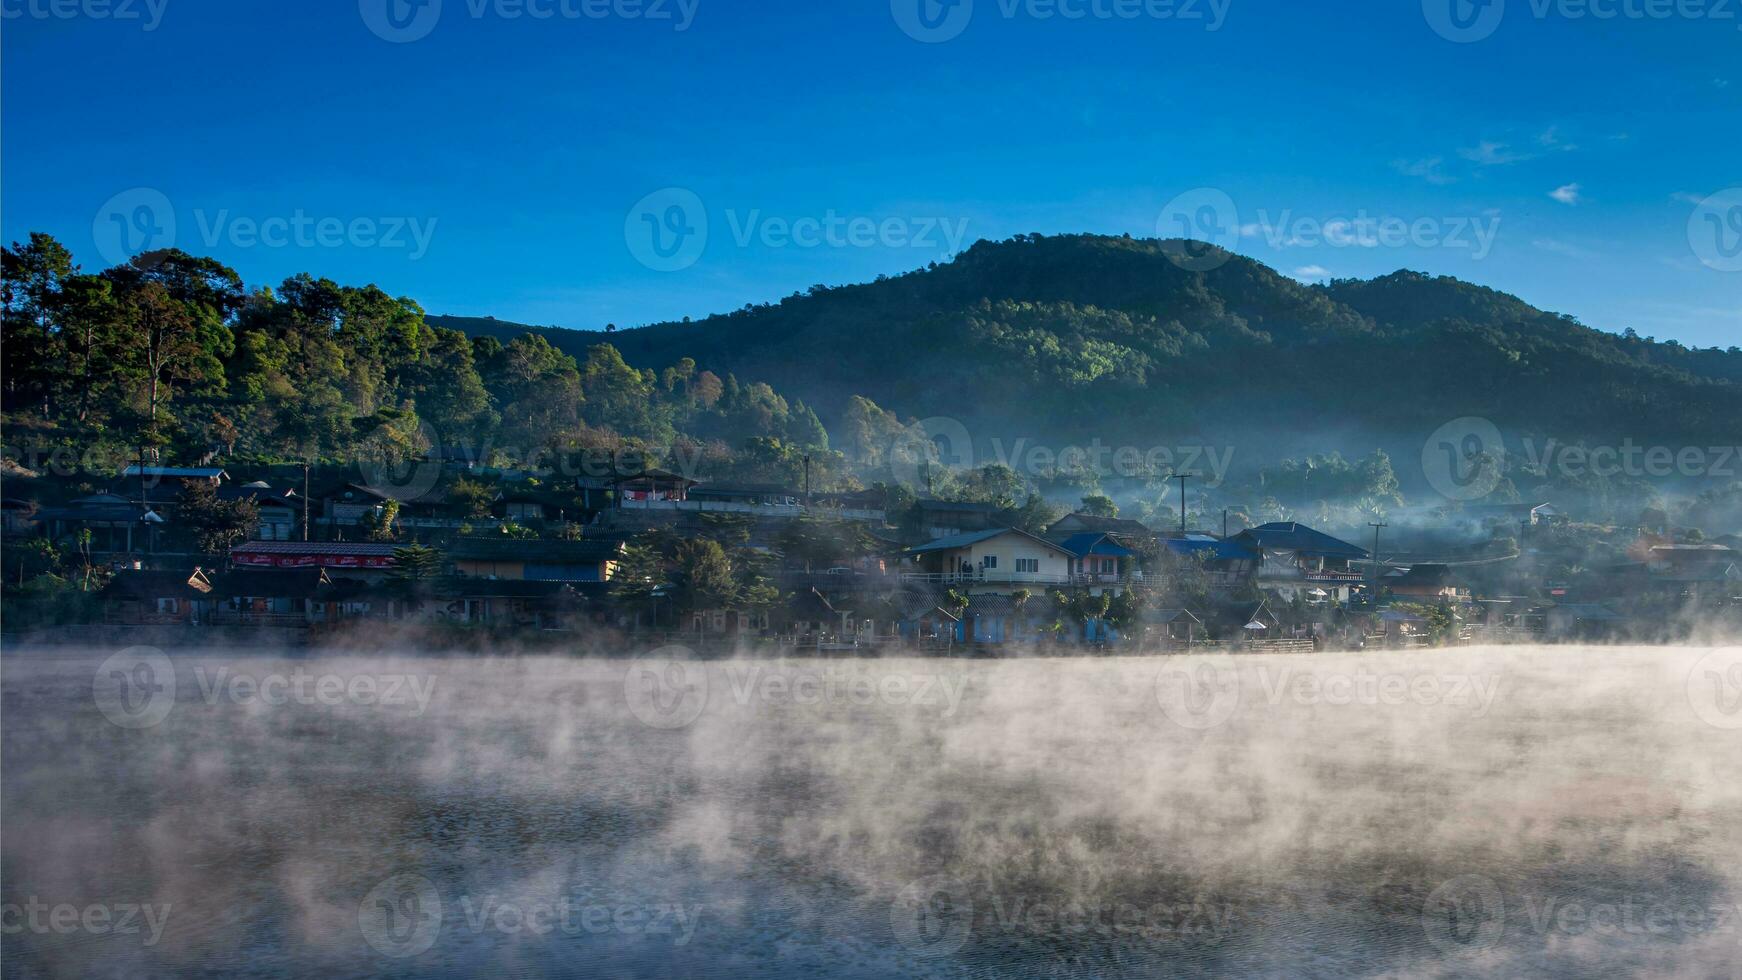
(305, 488)
(1182, 478)
(807, 480)
(1224, 523)
(1374, 596)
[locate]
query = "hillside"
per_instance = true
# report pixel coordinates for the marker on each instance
(1088, 336)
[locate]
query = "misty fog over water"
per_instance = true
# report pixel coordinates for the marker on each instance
(1560, 812)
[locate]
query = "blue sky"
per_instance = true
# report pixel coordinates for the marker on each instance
(486, 161)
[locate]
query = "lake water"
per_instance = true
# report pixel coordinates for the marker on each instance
(1555, 812)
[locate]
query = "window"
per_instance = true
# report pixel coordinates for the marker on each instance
(1028, 564)
(991, 561)
(168, 605)
(1107, 566)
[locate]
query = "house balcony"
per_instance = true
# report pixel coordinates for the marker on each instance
(997, 577)
(985, 578)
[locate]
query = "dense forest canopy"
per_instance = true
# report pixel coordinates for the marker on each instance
(1073, 336)
(1035, 342)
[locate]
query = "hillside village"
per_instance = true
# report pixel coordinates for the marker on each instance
(719, 565)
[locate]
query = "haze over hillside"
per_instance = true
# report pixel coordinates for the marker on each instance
(1083, 336)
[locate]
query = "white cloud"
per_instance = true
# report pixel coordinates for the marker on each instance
(1312, 272)
(1427, 169)
(1566, 194)
(1551, 138)
(1492, 154)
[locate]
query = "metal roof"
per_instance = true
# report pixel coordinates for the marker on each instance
(315, 548)
(956, 541)
(1294, 536)
(1094, 543)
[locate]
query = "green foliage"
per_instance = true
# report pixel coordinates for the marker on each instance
(217, 525)
(1100, 505)
(704, 576)
(417, 563)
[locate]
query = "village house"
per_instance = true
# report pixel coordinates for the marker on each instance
(365, 560)
(1430, 582)
(1698, 573)
(590, 560)
(506, 603)
(280, 509)
(1071, 525)
(999, 561)
(1098, 560)
(267, 597)
(174, 476)
(152, 597)
(949, 518)
(117, 524)
(1228, 566)
(1296, 561)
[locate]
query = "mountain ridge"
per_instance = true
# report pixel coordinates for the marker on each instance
(1069, 335)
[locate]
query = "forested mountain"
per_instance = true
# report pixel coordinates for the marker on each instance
(1058, 340)
(1079, 336)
